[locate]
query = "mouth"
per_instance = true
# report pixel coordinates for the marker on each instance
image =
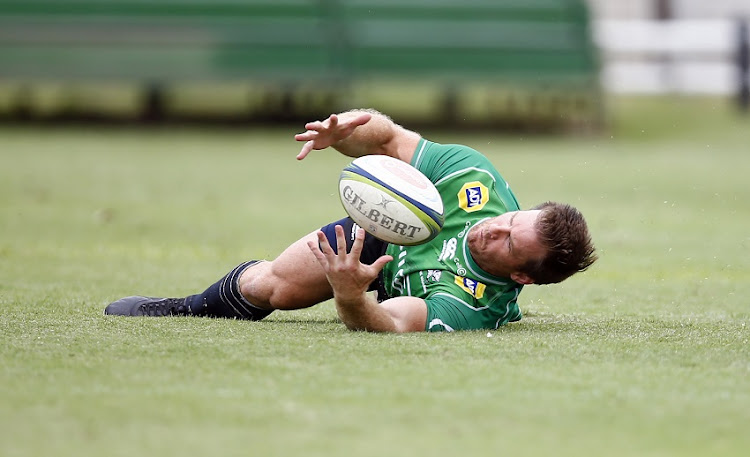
(478, 238)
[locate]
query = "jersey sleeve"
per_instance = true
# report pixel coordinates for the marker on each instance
(437, 161)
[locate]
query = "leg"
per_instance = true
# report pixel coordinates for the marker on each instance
(293, 280)
(250, 291)
(221, 299)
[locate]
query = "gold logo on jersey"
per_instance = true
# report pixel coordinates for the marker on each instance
(473, 196)
(475, 288)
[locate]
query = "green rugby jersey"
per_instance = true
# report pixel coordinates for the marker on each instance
(459, 294)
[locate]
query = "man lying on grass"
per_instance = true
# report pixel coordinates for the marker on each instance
(468, 277)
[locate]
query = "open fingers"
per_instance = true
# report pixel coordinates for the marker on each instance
(327, 124)
(319, 256)
(325, 246)
(340, 241)
(358, 245)
(321, 250)
(314, 126)
(333, 121)
(359, 240)
(306, 135)
(306, 148)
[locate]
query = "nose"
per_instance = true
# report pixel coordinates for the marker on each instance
(499, 228)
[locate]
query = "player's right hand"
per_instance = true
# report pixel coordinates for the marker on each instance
(349, 278)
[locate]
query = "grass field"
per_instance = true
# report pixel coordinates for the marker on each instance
(647, 354)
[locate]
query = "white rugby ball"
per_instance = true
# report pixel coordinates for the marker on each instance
(391, 200)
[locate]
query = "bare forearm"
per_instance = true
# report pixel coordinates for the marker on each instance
(378, 136)
(349, 279)
(364, 313)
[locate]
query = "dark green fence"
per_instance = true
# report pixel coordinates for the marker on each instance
(535, 47)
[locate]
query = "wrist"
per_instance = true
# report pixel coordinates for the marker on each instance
(351, 300)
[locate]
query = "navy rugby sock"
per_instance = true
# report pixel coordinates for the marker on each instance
(223, 299)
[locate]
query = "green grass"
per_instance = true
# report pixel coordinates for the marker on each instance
(647, 354)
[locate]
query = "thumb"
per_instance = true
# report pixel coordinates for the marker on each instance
(380, 263)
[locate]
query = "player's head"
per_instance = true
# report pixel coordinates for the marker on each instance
(563, 231)
(544, 245)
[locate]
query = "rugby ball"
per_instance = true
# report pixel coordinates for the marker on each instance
(391, 200)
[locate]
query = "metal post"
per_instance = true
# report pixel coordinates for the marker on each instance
(663, 12)
(743, 64)
(153, 109)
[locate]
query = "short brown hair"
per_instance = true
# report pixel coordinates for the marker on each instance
(563, 231)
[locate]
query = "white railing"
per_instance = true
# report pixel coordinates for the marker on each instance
(676, 56)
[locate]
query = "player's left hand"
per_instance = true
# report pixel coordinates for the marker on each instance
(348, 277)
(322, 134)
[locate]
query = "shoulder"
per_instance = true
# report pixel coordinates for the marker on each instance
(427, 149)
(438, 161)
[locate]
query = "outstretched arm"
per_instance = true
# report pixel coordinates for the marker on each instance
(358, 133)
(349, 279)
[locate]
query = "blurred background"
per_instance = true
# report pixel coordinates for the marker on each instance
(511, 64)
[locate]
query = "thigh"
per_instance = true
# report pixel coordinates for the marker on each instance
(295, 279)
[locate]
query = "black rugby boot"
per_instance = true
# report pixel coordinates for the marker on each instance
(148, 306)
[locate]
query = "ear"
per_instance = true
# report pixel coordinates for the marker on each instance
(522, 278)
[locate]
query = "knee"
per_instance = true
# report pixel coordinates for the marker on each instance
(256, 285)
(268, 294)
(266, 288)
(261, 287)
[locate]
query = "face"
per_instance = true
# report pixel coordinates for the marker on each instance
(503, 244)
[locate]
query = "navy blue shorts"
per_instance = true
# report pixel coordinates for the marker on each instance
(372, 249)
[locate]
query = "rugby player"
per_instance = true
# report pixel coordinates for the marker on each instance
(468, 277)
